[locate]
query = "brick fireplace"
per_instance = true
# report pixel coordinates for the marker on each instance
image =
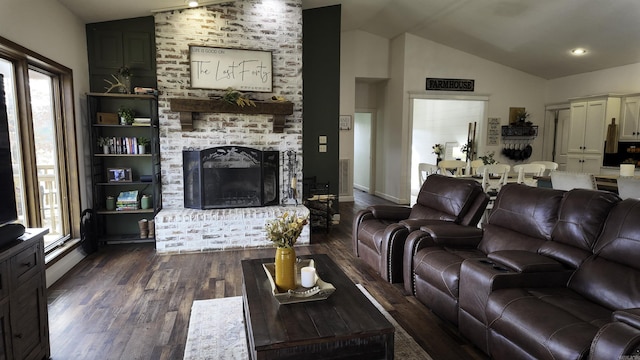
(274, 26)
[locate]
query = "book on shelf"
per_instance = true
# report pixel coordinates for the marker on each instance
(140, 121)
(127, 200)
(123, 145)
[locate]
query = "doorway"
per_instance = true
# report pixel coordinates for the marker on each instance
(443, 121)
(363, 142)
(556, 134)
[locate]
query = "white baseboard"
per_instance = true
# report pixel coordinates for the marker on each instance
(62, 266)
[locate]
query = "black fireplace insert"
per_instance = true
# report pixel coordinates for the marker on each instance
(230, 177)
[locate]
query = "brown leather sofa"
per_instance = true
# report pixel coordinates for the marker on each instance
(559, 279)
(379, 232)
(522, 218)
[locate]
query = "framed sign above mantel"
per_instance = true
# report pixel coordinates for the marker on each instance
(222, 68)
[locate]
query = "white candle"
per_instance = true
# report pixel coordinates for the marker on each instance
(627, 169)
(308, 276)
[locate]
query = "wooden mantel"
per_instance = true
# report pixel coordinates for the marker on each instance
(188, 107)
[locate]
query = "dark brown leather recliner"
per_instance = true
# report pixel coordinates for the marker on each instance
(522, 218)
(594, 314)
(379, 232)
(581, 218)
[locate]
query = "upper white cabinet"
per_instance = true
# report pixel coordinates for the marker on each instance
(589, 118)
(630, 123)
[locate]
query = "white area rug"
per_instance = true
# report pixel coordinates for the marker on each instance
(216, 331)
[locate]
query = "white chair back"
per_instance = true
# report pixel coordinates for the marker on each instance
(565, 180)
(549, 166)
(629, 187)
(424, 170)
(501, 170)
(451, 167)
(475, 164)
(526, 172)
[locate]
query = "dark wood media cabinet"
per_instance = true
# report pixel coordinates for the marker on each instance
(24, 323)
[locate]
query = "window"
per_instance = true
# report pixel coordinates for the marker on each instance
(43, 147)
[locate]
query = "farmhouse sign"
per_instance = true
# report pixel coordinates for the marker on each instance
(221, 68)
(450, 84)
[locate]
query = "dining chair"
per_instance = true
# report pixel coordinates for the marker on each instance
(493, 186)
(451, 167)
(564, 180)
(495, 170)
(424, 170)
(526, 172)
(475, 164)
(549, 166)
(629, 187)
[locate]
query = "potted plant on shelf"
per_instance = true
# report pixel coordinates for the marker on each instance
(104, 143)
(126, 116)
(142, 145)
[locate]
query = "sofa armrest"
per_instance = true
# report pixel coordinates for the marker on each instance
(628, 316)
(415, 241)
(618, 339)
(391, 250)
(481, 277)
(525, 261)
(361, 215)
(453, 235)
(390, 212)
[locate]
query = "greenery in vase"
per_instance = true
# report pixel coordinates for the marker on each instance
(103, 141)
(438, 149)
(488, 158)
(126, 114)
(285, 230)
(143, 141)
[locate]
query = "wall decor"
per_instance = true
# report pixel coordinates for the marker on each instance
(513, 114)
(222, 68)
(493, 131)
(345, 122)
(119, 174)
(442, 84)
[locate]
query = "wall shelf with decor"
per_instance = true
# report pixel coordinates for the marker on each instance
(519, 131)
(125, 165)
(189, 107)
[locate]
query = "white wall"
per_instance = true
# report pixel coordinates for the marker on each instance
(51, 30)
(621, 80)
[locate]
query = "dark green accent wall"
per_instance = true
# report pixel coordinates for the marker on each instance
(128, 42)
(321, 93)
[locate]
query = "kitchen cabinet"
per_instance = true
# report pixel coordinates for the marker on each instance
(588, 120)
(630, 123)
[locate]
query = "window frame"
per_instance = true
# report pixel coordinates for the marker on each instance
(24, 60)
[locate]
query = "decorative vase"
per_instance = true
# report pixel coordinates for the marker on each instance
(285, 264)
(142, 149)
(105, 149)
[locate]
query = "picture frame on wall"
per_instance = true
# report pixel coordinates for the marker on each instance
(224, 68)
(513, 114)
(119, 175)
(345, 122)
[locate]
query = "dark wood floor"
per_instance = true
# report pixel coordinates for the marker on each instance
(127, 302)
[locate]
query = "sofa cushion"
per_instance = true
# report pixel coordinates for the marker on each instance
(554, 323)
(576, 231)
(443, 199)
(611, 277)
(518, 210)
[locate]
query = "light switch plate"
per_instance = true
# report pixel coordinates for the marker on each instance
(322, 148)
(322, 139)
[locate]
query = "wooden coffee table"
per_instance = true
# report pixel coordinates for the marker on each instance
(346, 325)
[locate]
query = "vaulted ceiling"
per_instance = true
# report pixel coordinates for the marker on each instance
(534, 36)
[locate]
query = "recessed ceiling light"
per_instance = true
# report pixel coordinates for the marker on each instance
(192, 3)
(579, 51)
